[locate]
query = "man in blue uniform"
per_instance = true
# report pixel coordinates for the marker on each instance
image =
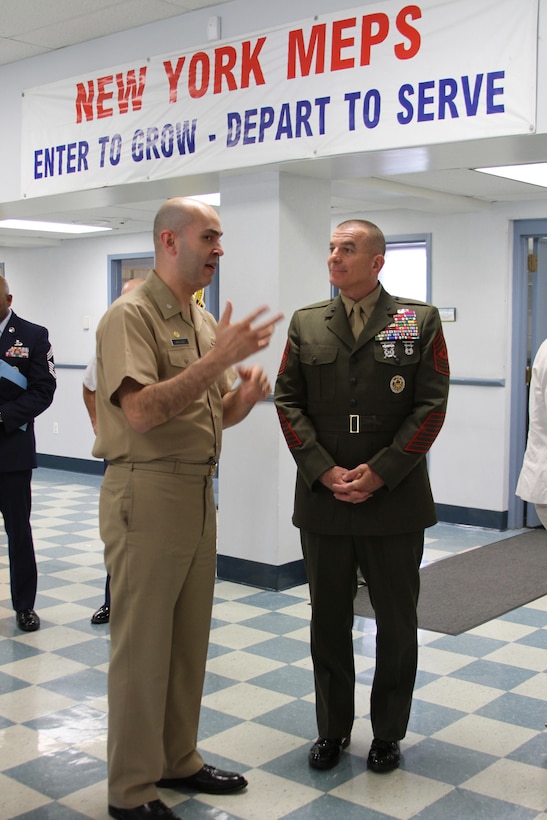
(27, 385)
(361, 396)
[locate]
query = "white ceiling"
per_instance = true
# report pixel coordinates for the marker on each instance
(437, 179)
(32, 27)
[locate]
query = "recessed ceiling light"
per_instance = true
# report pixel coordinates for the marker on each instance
(535, 173)
(53, 227)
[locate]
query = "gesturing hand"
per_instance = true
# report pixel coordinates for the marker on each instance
(239, 340)
(255, 385)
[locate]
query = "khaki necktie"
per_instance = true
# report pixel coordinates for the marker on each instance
(357, 320)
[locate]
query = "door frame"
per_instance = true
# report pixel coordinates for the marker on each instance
(115, 264)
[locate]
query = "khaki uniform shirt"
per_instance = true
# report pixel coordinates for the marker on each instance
(146, 336)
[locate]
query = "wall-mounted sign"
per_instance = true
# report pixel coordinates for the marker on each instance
(447, 314)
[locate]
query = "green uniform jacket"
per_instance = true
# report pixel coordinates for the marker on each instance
(389, 387)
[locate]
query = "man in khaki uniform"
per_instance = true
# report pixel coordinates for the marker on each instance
(164, 378)
(361, 398)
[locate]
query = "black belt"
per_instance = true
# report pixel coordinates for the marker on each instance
(164, 466)
(352, 423)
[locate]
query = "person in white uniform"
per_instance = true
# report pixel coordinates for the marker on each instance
(532, 483)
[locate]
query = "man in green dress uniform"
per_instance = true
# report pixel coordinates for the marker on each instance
(361, 396)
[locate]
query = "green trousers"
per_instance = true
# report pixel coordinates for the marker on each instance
(390, 566)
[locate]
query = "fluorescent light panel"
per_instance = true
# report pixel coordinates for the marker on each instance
(208, 199)
(534, 173)
(61, 227)
(53, 227)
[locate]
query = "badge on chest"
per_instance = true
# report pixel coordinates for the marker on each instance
(17, 351)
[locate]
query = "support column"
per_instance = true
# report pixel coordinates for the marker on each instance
(276, 236)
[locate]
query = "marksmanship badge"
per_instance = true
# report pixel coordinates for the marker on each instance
(397, 384)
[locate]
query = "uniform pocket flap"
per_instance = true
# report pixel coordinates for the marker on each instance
(318, 354)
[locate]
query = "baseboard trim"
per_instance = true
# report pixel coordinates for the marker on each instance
(71, 465)
(263, 576)
(488, 519)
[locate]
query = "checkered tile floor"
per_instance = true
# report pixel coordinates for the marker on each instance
(476, 747)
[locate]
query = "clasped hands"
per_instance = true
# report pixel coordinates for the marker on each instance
(353, 486)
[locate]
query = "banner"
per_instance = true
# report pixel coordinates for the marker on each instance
(375, 77)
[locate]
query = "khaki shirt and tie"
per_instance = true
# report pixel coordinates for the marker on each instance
(360, 311)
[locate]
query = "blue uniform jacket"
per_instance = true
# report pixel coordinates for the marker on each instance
(25, 346)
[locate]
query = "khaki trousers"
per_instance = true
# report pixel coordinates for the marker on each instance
(159, 531)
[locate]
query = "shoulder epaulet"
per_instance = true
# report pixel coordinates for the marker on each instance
(402, 300)
(316, 305)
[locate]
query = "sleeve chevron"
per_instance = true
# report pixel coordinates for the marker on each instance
(422, 440)
(291, 437)
(440, 354)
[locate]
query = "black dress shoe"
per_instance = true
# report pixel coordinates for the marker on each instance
(102, 616)
(384, 756)
(325, 752)
(28, 620)
(147, 811)
(208, 779)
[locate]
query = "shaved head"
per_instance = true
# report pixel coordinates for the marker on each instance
(175, 214)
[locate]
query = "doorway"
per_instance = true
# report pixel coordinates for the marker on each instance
(123, 267)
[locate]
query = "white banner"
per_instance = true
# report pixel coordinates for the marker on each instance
(373, 77)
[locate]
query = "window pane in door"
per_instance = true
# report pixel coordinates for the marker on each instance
(405, 270)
